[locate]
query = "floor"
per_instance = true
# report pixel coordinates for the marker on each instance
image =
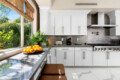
(93, 73)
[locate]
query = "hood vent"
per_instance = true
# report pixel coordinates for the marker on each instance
(101, 21)
(85, 3)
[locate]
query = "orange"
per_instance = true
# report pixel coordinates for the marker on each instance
(39, 49)
(23, 50)
(36, 46)
(31, 50)
(35, 49)
(27, 50)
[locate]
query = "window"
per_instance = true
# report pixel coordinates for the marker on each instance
(9, 28)
(27, 31)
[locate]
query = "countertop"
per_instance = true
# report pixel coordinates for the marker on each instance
(21, 66)
(71, 46)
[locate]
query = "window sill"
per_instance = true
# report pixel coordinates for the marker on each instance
(6, 53)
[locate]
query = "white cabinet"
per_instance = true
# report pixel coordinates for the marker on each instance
(51, 28)
(100, 58)
(58, 25)
(66, 25)
(44, 19)
(115, 20)
(60, 56)
(83, 57)
(69, 57)
(113, 58)
(62, 25)
(79, 25)
(65, 22)
(65, 56)
(53, 55)
(106, 58)
(75, 25)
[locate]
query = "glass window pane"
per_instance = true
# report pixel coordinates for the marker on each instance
(27, 31)
(9, 28)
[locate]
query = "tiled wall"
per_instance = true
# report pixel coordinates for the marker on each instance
(95, 35)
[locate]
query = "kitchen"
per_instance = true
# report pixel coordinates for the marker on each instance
(83, 37)
(83, 40)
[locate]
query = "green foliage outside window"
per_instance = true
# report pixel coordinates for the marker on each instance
(10, 34)
(10, 31)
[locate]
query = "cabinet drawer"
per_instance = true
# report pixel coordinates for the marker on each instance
(83, 48)
(65, 48)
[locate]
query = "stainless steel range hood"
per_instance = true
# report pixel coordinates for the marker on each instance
(101, 21)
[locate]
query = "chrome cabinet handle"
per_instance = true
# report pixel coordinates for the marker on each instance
(83, 55)
(65, 55)
(55, 52)
(54, 29)
(108, 54)
(78, 29)
(62, 29)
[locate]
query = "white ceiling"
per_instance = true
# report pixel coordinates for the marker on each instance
(102, 5)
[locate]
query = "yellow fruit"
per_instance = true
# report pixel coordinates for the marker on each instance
(36, 46)
(23, 50)
(40, 49)
(35, 49)
(31, 50)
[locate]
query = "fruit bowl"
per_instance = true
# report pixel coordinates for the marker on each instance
(33, 53)
(36, 49)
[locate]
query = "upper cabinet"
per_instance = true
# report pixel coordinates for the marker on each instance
(62, 25)
(64, 22)
(79, 24)
(115, 19)
(44, 19)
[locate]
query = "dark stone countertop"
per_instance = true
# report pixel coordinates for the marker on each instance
(71, 46)
(21, 66)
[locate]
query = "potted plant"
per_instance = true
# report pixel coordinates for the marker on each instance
(40, 38)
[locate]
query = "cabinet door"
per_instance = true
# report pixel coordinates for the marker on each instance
(113, 58)
(118, 24)
(87, 58)
(69, 56)
(78, 57)
(99, 58)
(79, 25)
(44, 22)
(75, 28)
(51, 28)
(53, 56)
(66, 25)
(83, 24)
(60, 56)
(58, 25)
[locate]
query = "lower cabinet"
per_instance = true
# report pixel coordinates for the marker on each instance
(53, 56)
(83, 57)
(106, 58)
(65, 56)
(79, 56)
(113, 58)
(99, 58)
